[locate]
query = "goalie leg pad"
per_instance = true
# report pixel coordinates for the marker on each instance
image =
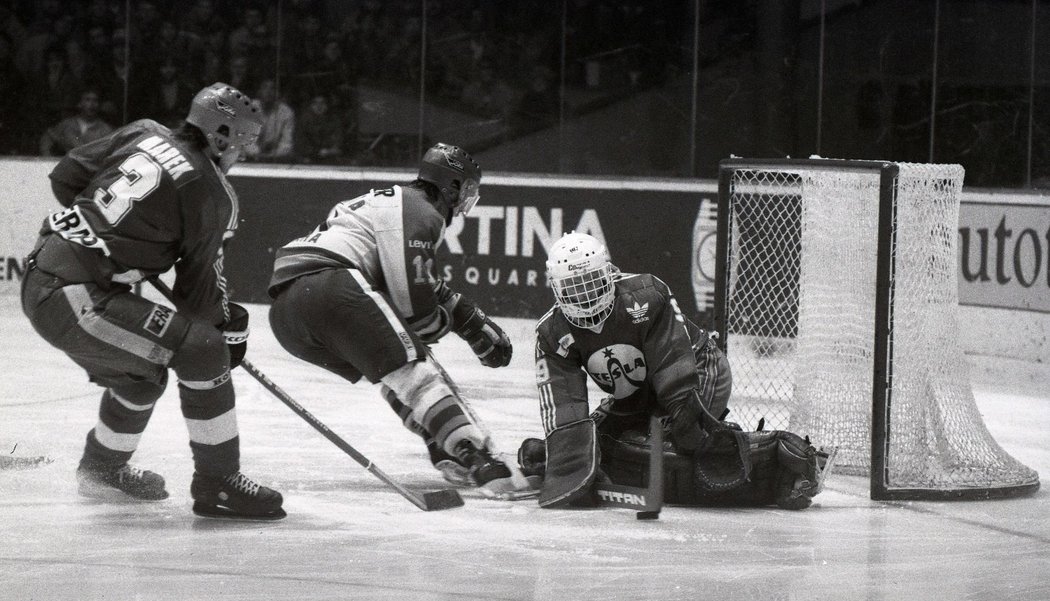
(572, 465)
(736, 469)
(625, 461)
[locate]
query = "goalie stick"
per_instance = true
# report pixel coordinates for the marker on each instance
(519, 479)
(427, 501)
(647, 501)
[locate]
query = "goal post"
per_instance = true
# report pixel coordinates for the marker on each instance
(837, 300)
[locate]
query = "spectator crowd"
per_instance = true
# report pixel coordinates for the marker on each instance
(71, 70)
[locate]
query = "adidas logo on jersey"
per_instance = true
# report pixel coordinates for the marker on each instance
(638, 312)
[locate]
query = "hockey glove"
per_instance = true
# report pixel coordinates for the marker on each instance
(532, 457)
(235, 333)
(686, 428)
(488, 341)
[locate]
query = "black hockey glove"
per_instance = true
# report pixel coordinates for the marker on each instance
(488, 341)
(235, 333)
(532, 457)
(686, 430)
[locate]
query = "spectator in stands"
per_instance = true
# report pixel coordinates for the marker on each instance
(54, 91)
(306, 46)
(213, 59)
(39, 37)
(84, 127)
(202, 20)
(276, 140)
(319, 132)
(252, 37)
(96, 52)
(184, 47)
(111, 77)
(240, 74)
(334, 75)
(167, 101)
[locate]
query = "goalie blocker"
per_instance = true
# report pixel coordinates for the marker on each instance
(731, 468)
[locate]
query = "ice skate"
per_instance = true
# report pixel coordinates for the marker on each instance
(119, 482)
(234, 497)
(491, 476)
(451, 469)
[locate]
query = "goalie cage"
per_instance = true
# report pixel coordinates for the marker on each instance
(837, 296)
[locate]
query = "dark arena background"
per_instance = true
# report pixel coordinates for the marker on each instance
(608, 117)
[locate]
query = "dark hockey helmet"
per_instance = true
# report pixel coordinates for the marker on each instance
(455, 173)
(228, 118)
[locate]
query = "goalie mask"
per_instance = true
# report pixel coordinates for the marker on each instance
(228, 119)
(455, 173)
(581, 274)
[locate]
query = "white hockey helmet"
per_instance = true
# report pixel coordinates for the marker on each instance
(581, 274)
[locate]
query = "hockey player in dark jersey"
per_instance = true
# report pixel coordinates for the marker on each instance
(357, 296)
(137, 203)
(626, 333)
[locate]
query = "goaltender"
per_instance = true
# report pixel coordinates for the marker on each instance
(626, 332)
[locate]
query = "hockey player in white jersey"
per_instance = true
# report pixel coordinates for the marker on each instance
(357, 296)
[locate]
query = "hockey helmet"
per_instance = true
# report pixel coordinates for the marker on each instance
(228, 118)
(581, 274)
(455, 173)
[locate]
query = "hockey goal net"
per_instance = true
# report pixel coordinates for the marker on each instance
(837, 298)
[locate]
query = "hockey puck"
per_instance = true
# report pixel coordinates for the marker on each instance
(647, 515)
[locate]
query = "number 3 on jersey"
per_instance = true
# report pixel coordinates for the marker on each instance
(141, 177)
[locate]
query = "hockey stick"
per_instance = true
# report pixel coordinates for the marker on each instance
(646, 501)
(428, 501)
(519, 479)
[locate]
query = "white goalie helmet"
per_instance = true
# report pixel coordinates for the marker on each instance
(581, 274)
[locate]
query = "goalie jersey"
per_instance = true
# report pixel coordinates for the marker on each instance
(391, 236)
(138, 202)
(646, 350)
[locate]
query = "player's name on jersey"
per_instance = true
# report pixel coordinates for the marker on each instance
(169, 157)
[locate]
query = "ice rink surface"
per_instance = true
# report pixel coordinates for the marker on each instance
(347, 536)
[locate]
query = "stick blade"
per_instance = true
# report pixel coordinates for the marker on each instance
(441, 499)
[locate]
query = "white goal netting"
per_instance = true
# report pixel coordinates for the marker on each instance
(800, 319)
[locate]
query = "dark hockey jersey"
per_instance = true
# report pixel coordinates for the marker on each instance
(390, 235)
(644, 353)
(138, 202)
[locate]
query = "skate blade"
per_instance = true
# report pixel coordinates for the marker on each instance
(504, 489)
(224, 513)
(98, 492)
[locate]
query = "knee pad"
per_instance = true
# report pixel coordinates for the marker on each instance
(202, 360)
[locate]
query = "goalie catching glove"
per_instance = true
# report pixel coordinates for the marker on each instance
(235, 334)
(488, 341)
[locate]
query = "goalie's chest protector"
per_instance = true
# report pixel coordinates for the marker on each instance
(615, 357)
